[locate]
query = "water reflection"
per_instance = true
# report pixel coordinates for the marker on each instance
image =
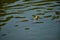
(23, 11)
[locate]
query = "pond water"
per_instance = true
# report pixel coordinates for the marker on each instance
(17, 20)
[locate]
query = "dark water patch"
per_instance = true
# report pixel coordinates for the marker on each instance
(37, 22)
(3, 34)
(1, 5)
(41, 4)
(50, 8)
(26, 0)
(40, 14)
(16, 25)
(54, 5)
(2, 24)
(24, 20)
(51, 0)
(7, 19)
(58, 2)
(19, 5)
(48, 16)
(3, 20)
(55, 17)
(10, 1)
(2, 14)
(19, 17)
(0, 28)
(15, 13)
(57, 13)
(2, 10)
(27, 28)
(30, 2)
(34, 8)
(57, 5)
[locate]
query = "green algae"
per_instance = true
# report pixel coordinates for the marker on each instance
(33, 8)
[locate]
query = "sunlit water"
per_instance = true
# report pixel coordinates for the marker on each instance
(17, 20)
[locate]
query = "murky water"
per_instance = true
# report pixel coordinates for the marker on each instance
(17, 20)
